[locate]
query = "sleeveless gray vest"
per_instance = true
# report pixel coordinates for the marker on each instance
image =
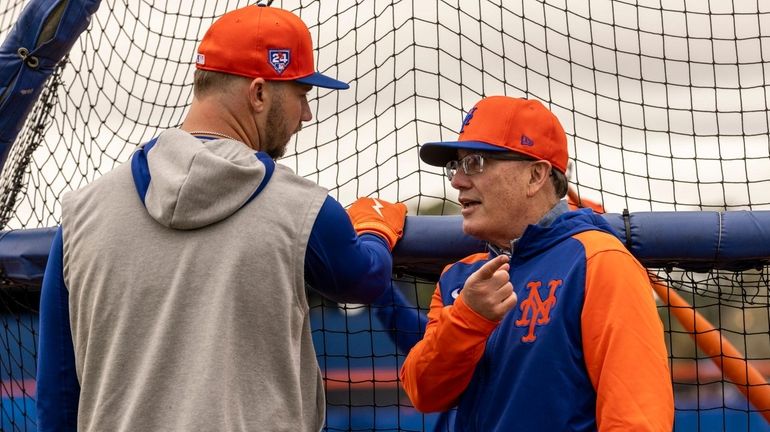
(199, 329)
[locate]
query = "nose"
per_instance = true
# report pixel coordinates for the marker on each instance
(307, 115)
(460, 180)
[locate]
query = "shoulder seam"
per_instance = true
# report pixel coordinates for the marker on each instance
(470, 259)
(614, 245)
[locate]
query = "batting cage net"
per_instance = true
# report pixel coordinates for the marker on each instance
(665, 104)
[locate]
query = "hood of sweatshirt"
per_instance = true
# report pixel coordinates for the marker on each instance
(537, 239)
(186, 182)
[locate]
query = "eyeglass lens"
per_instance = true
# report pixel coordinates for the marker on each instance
(471, 164)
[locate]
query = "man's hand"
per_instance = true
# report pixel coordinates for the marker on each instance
(375, 216)
(488, 291)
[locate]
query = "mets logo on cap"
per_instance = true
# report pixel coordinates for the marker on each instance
(279, 59)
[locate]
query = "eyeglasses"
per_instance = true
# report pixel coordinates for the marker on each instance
(474, 163)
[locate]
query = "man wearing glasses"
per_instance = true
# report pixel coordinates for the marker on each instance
(555, 327)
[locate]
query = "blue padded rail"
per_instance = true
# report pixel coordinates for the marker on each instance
(736, 240)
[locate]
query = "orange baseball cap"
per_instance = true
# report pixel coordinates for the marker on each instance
(262, 41)
(505, 124)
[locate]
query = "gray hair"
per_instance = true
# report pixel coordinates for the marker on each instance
(560, 183)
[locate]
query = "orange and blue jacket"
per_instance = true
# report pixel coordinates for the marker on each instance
(582, 350)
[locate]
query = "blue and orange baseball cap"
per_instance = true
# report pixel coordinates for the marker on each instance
(261, 41)
(505, 124)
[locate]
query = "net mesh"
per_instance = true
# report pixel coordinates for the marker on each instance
(665, 104)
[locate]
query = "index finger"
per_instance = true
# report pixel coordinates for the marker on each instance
(488, 270)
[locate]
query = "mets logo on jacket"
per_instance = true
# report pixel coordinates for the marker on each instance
(536, 311)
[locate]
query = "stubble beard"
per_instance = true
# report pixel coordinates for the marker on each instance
(276, 140)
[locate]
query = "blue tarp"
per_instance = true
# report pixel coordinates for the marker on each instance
(44, 33)
(736, 240)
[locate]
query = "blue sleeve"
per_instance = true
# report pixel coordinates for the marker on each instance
(446, 421)
(58, 390)
(341, 265)
(403, 320)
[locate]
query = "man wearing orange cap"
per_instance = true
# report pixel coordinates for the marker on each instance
(174, 296)
(555, 328)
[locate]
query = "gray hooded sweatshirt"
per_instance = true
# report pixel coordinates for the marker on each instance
(186, 292)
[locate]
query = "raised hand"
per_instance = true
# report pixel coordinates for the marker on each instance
(373, 215)
(488, 291)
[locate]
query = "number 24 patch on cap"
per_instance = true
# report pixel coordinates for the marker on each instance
(279, 59)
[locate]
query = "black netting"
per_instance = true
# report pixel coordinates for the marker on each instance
(665, 105)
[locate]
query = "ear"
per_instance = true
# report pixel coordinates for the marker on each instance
(258, 94)
(539, 176)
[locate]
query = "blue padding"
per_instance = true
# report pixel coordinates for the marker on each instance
(24, 254)
(430, 243)
(660, 238)
(695, 240)
(737, 240)
(745, 235)
(22, 78)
